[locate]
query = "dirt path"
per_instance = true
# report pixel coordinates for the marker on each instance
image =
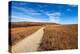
(30, 43)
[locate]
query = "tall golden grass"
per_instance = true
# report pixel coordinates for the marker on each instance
(20, 33)
(59, 37)
(56, 36)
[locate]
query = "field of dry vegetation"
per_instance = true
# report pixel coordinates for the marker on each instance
(59, 37)
(55, 37)
(20, 33)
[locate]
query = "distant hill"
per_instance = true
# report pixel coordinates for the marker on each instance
(24, 24)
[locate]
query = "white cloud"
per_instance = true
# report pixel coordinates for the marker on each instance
(24, 9)
(54, 17)
(24, 18)
(73, 5)
(54, 14)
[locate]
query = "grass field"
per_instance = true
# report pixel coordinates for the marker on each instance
(20, 33)
(59, 37)
(55, 37)
(20, 30)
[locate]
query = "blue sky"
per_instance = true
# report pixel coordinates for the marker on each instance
(43, 12)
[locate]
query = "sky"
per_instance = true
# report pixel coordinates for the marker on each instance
(43, 12)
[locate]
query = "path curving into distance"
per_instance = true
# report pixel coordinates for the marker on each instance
(30, 43)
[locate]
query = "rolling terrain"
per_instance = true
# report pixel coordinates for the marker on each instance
(54, 37)
(28, 24)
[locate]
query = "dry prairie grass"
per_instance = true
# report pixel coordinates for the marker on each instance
(27, 24)
(59, 37)
(56, 36)
(19, 33)
(20, 30)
